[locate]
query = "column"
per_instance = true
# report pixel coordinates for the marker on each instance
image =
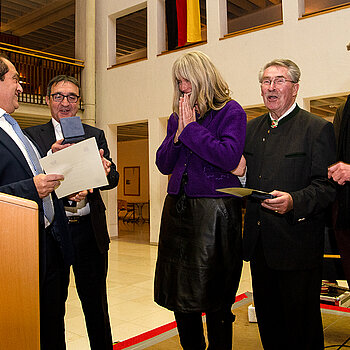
(88, 76)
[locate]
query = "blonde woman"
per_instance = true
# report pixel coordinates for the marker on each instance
(199, 257)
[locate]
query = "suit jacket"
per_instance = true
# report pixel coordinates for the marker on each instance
(44, 136)
(16, 178)
(292, 158)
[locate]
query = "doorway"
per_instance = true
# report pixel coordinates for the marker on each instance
(133, 190)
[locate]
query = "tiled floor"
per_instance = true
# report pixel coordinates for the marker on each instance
(130, 290)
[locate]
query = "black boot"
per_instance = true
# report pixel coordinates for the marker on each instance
(190, 327)
(219, 326)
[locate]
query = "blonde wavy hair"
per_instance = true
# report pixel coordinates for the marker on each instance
(209, 89)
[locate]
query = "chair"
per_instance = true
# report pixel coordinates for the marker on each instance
(122, 208)
(126, 211)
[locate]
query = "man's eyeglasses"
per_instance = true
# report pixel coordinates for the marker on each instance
(58, 97)
(278, 81)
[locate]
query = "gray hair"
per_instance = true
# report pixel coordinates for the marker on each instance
(66, 78)
(293, 69)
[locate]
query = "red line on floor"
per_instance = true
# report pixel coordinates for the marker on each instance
(145, 336)
(154, 332)
(337, 308)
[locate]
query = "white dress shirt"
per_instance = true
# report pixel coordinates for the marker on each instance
(83, 207)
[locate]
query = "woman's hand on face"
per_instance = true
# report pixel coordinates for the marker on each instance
(180, 125)
(188, 113)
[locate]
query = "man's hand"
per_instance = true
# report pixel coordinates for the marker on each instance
(241, 168)
(57, 146)
(106, 163)
(79, 196)
(282, 204)
(45, 184)
(339, 172)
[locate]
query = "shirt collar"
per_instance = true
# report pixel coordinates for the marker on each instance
(57, 128)
(2, 112)
(286, 113)
(55, 123)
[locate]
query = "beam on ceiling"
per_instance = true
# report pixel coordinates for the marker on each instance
(244, 4)
(40, 18)
(259, 3)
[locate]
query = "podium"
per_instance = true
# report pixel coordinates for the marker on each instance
(19, 274)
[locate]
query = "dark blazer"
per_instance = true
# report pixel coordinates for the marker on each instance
(44, 136)
(16, 178)
(292, 158)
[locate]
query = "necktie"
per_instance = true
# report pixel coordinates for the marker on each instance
(47, 203)
(274, 123)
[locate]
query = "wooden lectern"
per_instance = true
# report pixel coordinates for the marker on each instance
(19, 274)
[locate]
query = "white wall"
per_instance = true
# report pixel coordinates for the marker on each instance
(142, 91)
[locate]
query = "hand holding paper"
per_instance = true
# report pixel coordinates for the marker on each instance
(81, 166)
(79, 196)
(106, 163)
(45, 184)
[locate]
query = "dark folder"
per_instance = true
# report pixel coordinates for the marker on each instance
(72, 130)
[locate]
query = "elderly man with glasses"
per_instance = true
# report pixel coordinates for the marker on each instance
(87, 219)
(287, 153)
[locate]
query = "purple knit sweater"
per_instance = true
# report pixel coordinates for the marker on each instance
(207, 152)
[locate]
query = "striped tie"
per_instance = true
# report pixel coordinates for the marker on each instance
(47, 203)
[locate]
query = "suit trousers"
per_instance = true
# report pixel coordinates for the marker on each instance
(287, 305)
(90, 273)
(53, 295)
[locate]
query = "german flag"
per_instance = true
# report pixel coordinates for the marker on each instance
(183, 22)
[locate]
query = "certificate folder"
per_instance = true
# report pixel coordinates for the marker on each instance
(244, 192)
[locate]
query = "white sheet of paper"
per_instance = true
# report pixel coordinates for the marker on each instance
(81, 166)
(239, 191)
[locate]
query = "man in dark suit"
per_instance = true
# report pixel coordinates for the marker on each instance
(287, 154)
(20, 176)
(340, 173)
(87, 220)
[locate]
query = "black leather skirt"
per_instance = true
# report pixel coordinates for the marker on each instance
(200, 253)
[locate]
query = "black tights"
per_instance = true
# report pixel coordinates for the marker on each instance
(219, 327)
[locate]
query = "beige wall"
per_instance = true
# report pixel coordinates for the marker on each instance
(143, 91)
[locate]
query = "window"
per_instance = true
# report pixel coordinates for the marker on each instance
(313, 6)
(131, 36)
(186, 23)
(248, 14)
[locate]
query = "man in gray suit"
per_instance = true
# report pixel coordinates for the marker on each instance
(287, 154)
